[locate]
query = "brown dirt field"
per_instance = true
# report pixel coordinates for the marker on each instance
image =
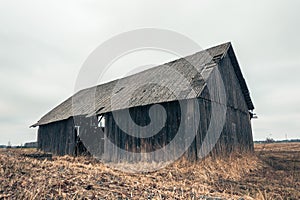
(273, 172)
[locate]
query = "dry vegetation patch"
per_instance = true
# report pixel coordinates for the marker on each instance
(247, 176)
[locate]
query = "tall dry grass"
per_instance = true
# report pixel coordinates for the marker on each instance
(237, 176)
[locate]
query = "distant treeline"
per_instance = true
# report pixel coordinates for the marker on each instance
(270, 140)
(6, 146)
(26, 145)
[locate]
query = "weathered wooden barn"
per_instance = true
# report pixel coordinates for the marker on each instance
(69, 129)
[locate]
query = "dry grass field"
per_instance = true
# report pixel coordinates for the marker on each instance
(273, 172)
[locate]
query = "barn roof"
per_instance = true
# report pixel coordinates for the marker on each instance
(194, 68)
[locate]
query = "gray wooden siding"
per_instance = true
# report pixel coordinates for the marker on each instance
(58, 137)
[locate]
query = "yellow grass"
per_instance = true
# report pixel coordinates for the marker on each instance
(257, 176)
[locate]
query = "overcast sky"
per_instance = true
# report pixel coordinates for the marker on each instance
(43, 44)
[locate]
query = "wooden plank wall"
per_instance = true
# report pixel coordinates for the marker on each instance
(133, 144)
(175, 113)
(57, 138)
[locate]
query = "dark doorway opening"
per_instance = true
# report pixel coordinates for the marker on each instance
(80, 149)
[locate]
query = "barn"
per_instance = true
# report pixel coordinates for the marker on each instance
(136, 117)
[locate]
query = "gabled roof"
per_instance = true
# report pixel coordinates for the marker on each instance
(195, 69)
